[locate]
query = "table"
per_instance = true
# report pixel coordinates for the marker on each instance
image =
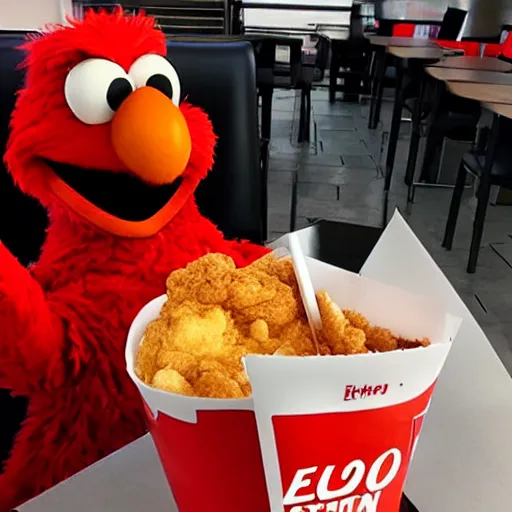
(464, 82)
(469, 75)
(421, 55)
(463, 461)
(476, 63)
(485, 93)
(501, 109)
(423, 52)
(407, 42)
(383, 44)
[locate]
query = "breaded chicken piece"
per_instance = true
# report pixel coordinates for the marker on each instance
(356, 319)
(297, 335)
(259, 296)
(379, 339)
(157, 334)
(215, 381)
(258, 330)
(405, 344)
(184, 363)
(170, 380)
(337, 333)
(334, 321)
(197, 329)
(205, 280)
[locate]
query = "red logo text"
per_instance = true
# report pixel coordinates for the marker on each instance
(357, 393)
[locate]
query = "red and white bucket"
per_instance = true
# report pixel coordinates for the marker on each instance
(322, 433)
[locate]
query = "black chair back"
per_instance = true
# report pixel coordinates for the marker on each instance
(220, 77)
(22, 219)
(452, 24)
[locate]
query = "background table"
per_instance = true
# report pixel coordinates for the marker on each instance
(469, 75)
(424, 52)
(485, 93)
(401, 41)
(499, 108)
(480, 63)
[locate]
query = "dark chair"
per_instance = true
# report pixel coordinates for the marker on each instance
(271, 74)
(449, 30)
(219, 77)
(453, 20)
(452, 117)
(492, 168)
(353, 57)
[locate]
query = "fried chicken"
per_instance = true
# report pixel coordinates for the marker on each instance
(216, 314)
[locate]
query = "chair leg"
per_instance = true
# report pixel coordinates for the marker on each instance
(307, 127)
(478, 226)
(305, 115)
(453, 215)
(294, 198)
(264, 150)
(484, 191)
(266, 112)
(333, 76)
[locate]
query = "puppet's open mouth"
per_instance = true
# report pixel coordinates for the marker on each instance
(117, 193)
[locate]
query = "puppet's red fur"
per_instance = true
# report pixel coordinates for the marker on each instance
(64, 322)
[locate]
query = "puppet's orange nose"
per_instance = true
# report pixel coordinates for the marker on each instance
(151, 137)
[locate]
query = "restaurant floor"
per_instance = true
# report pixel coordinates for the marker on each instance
(339, 180)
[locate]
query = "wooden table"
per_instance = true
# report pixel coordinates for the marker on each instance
(476, 84)
(421, 55)
(412, 52)
(406, 42)
(501, 109)
(383, 44)
(463, 461)
(485, 93)
(477, 63)
(469, 75)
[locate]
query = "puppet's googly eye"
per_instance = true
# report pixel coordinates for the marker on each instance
(156, 71)
(95, 89)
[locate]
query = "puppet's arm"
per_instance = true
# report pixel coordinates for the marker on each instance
(31, 336)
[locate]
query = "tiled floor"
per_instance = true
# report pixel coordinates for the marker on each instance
(339, 180)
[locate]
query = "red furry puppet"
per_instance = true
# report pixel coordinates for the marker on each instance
(100, 137)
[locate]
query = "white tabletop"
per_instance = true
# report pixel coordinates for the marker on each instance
(463, 461)
(131, 479)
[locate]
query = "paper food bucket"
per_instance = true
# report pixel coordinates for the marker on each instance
(322, 433)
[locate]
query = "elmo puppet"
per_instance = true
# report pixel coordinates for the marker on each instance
(100, 137)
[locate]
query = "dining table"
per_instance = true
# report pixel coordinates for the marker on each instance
(475, 63)
(381, 59)
(463, 460)
(488, 81)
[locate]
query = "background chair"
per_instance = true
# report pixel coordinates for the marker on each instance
(493, 168)
(352, 56)
(452, 23)
(449, 30)
(219, 77)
